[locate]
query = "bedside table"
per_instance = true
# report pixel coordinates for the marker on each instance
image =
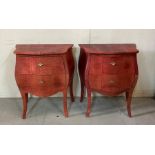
(109, 69)
(43, 70)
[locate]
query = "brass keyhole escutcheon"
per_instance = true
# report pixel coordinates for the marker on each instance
(40, 64)
(113, 63)
(41, 82)
(111, 81)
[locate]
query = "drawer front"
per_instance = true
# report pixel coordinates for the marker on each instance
(111, 83)
(40, 65)
(119, 82)
(111, 64)
(33, 81)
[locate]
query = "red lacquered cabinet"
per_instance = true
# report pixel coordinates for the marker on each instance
(109, 69)
(43, 70)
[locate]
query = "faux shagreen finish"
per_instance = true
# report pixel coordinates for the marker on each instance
(43, 70)
(109, 69)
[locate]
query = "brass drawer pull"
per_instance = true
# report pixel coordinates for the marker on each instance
(111, 81)
(40, 64)
(113, 63)
(41, 82)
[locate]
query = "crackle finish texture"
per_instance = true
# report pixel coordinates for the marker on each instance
(43, 70)
(109, 69)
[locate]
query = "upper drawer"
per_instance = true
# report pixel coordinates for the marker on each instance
(39, 65)
(112, 64)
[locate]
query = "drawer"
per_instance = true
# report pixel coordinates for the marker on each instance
(110, 82)
(39, 65)
(111, 64)
(39, 82)
(119, 81)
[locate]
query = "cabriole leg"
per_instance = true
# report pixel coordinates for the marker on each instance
(71, 91)
(25, 101)
(128, 101)
(89, 103)
(82, 92)
(65, 103)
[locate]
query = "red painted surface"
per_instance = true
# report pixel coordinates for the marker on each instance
(44, 70)
(109, 69)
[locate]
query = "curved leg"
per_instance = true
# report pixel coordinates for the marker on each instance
(26, 97)
(65, 103)
(129, 97)
(25, 101)
(71, 91)
(82, 91)
(89, 103)
(128, 100)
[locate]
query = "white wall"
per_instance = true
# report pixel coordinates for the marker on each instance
(145, 40)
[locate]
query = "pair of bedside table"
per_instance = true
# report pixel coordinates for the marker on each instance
(45, 69)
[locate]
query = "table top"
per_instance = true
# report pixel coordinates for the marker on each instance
(42, 49)
(109, 48)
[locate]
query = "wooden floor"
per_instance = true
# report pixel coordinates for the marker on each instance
(105, 110)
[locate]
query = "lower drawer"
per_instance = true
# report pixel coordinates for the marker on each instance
(111, 83)
(55, 81)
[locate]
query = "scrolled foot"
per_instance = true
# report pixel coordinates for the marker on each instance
(87, 114)
(24, 116)
(66, 115)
